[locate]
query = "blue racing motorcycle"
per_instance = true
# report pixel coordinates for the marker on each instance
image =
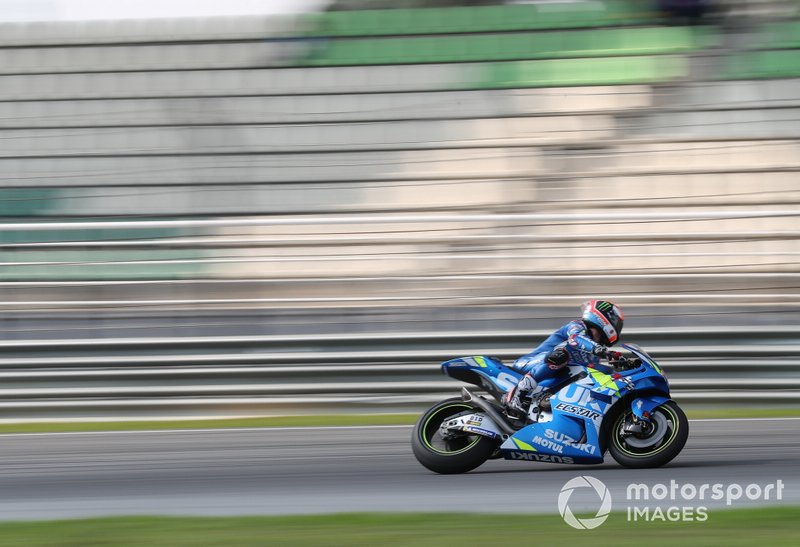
(624, 408)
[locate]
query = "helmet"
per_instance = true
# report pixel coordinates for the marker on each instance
(606, 317)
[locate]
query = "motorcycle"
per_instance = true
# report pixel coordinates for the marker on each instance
(624, 408)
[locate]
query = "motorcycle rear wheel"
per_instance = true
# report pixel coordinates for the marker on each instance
(448, 456)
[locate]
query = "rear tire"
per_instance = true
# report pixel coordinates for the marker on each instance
(669, 433)
(459, 455)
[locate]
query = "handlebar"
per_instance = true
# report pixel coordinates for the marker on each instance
(624, 363)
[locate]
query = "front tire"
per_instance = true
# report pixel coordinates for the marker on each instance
(654, 448)
(448, 456)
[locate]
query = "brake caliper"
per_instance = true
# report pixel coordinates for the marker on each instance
(635, 426)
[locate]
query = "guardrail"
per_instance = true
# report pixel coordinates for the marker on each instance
(257, 375)
(326, 220)
(630, 290)
(386, 267)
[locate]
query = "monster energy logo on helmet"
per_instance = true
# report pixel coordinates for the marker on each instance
(606, 317)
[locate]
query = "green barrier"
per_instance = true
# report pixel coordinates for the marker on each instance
(482, 18)
(57, 235)
(87, 263)
(573, 72)
(780, 35)
(92, 264)
(763, 64)
(515, 46)
(26, 202)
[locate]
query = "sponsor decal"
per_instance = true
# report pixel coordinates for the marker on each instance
(625, 380)
(558, 436)
(582, 396)
(569, 441)
(585, 447)
(604, 306)
(480, 431)
(534, 457)
(578, 411)
(546, 443)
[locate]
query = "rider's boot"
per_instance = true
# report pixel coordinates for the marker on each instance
(527, 387)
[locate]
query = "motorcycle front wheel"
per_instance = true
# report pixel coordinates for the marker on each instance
(657, 445)
(458, 454)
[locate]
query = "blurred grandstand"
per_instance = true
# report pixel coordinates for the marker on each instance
(408, 170)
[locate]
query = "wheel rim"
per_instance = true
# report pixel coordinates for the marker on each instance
(665, 429)
(659, 429)
(432, 437)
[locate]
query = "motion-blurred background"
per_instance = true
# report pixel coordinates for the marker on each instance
(306, 212)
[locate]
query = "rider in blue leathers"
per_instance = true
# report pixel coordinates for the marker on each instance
(581, 342)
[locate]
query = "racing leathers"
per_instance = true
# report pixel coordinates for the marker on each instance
(571, 344)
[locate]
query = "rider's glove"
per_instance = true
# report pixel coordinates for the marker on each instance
(610, 354)
(557, 358)
(600, 351)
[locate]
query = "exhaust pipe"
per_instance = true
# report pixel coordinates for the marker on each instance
(489, 409)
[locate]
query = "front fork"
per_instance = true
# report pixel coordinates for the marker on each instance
(641, 409)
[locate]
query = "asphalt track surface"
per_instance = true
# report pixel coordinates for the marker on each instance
(307, 470)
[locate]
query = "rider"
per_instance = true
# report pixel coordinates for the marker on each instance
(580, 342)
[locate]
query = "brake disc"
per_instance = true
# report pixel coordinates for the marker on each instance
(658, 430)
